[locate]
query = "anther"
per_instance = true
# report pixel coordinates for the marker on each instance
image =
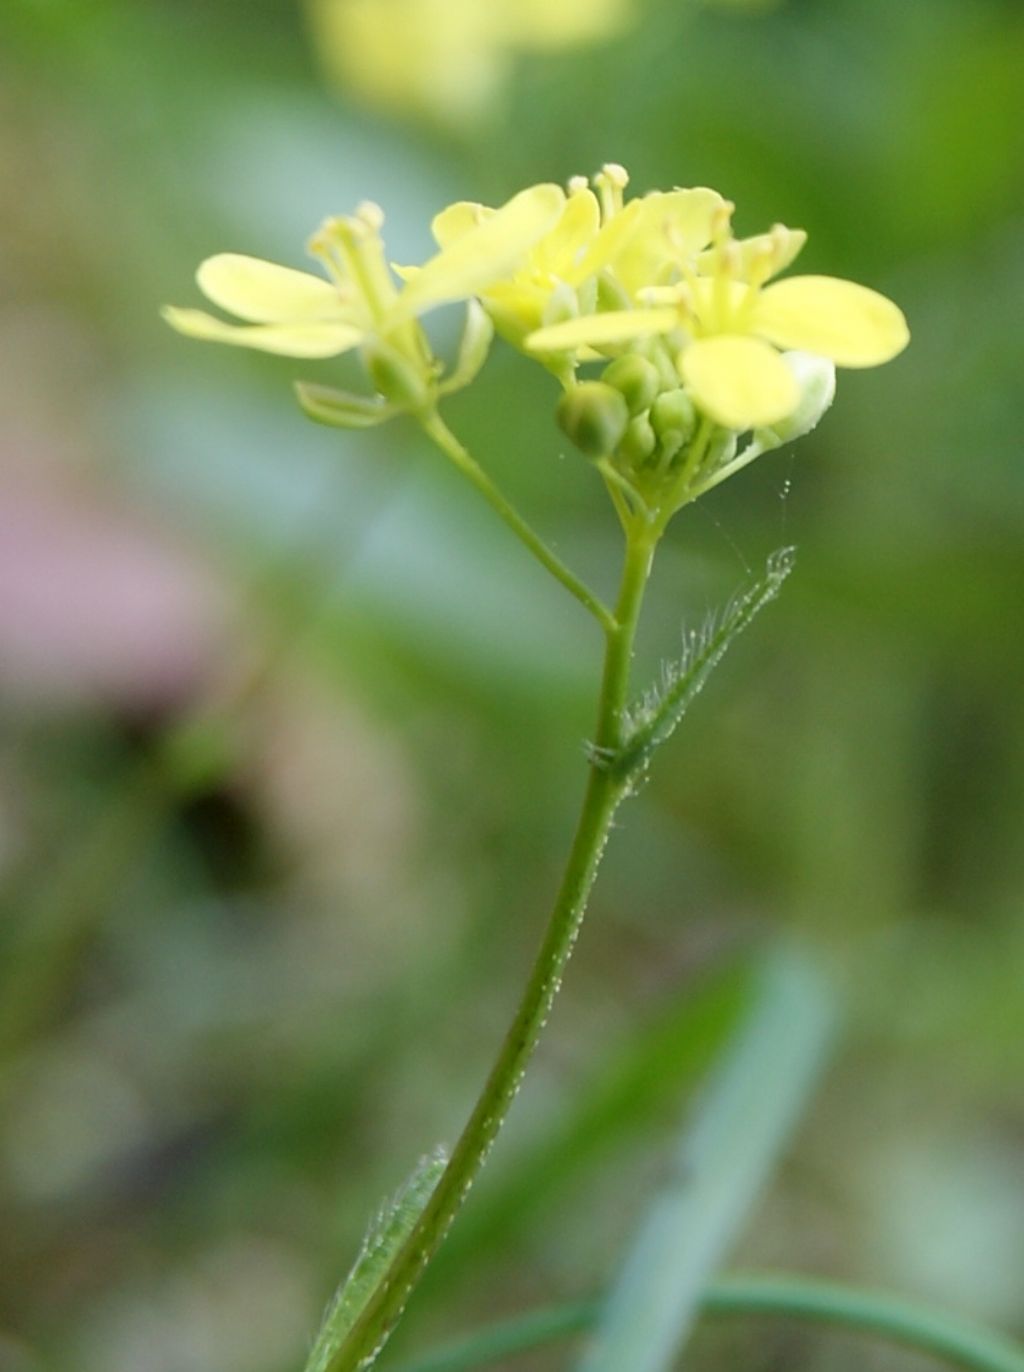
(616, 174)
(720, 220)
(371, 214)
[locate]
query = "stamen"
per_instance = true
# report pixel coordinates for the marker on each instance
(727, 267)
(691, 281)
(370, 214)
(761, 266)
(610, 182)
(323, 246)
(576, 184)
(721, 220)
(351, 248)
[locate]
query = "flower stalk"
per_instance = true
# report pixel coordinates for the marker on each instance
(697, 348)
(436, 429)
(604, 791)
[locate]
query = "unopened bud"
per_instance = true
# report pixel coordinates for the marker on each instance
(816, 377)
(638, 442)
(670, 443)
(636, 378)
(674, 410)
(594, 416)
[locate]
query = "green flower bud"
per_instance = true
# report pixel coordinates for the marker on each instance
(674, 410)
(636, 378)
(396, 377)
(670, 443)
(594, 416)
(816, 377)
(638, 442)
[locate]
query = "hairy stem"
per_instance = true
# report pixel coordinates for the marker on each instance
(600, 801)
(439, 432)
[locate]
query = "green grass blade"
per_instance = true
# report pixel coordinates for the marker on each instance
(726, 1155)
(956, 1341)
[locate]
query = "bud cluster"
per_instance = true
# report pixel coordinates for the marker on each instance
(641, 426)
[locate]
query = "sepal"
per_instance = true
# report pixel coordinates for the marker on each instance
(474, 346)
(816, 377)
(342, 409)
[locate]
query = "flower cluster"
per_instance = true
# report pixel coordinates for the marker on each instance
(693, 341)
(359, 304)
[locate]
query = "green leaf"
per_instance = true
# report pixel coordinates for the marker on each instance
(656, 716)
(724, 1159)
(385, 1236)
(341, 409)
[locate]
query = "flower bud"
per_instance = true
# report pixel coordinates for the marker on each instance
(674, 411)
(670, 443)
(816, 377)
(638, 442)
(636, 378)
(594, 416)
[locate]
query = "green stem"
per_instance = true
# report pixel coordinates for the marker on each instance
(601, 798)
(440, 433)
(749, 453)
(957, 1341)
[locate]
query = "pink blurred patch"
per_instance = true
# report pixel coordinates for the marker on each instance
(97, 604)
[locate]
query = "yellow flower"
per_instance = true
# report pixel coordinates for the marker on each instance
(728, 324)
(359, 303)
(446, 58)
(600, 246)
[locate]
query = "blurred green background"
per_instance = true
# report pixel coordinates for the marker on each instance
(292, 731)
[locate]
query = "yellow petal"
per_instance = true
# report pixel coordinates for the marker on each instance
(671, 227)
(778, 249)
(612, 240)
(490, 250)
(263, 292)
(615, 326)
(741, 383)
(289, 340)
(562, 250)
(455, 221)
(683, 216)
(850, 324)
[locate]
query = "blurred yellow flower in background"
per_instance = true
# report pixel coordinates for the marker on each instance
(446, 58)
